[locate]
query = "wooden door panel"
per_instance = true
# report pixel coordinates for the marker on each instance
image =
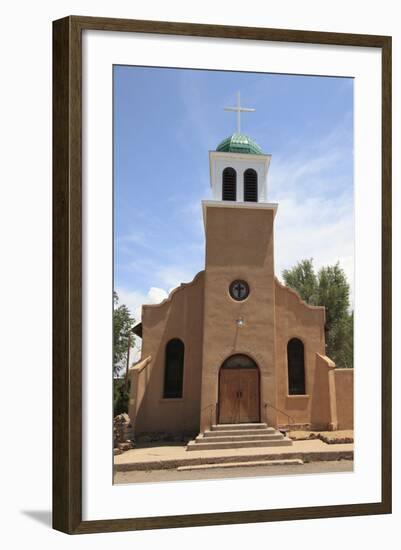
(249, 395)
(229, 396)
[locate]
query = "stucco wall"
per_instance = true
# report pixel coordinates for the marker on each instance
(296, 319)
(180, 316)
(239, 245)
(344, 379)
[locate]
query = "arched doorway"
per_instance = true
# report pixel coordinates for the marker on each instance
(239, 393)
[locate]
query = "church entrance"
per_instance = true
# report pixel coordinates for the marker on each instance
(239, 391)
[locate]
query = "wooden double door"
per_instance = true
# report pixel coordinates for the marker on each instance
(239, 393)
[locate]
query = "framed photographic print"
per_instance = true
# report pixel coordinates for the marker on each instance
(222, 274)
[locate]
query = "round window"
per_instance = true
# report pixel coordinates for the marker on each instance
(239, 290)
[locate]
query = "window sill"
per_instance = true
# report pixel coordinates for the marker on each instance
(171, 399)
(295, 396)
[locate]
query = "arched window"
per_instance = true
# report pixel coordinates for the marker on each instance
(229, 184)
(174, 369)
(296, 367)
(250, 185)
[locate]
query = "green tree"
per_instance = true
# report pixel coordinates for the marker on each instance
(302, 278)
(120, 396)
(329, 288)
(122, 339)
(122, 325)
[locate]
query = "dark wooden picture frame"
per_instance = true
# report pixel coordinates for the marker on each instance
(67, 273)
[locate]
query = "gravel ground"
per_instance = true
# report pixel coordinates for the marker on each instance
(218, 473)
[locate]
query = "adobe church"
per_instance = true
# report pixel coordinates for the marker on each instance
(236, 350)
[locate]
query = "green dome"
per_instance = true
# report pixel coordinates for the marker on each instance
(239, 143)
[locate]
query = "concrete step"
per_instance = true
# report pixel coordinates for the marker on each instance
(282, 462)
(213, 445)
(250, 426)
(220, 433)
(231, 437)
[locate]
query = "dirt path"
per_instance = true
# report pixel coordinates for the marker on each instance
(218, 473)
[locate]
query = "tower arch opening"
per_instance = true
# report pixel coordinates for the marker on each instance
(229, 187)
(250, 185)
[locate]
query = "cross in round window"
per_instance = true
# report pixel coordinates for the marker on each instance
(239, 290)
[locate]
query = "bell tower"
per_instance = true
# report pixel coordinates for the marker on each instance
(238, 166)
(239, 316)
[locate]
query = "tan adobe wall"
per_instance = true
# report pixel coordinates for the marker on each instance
(324, 402)
(296, 319)
(179, 316)
(138, 377)
(239, 245)
(345, 392)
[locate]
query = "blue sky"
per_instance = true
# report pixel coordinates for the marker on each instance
(166, 121)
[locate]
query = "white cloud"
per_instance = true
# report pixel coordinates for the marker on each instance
(171, 276)
(318, 228)
(315, 217)
(314, 229)
(134, 300)
(156, 295)
(182, 267)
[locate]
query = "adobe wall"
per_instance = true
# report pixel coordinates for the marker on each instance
(179, 316)
(296, 319)
(239, 245)
(344, 379)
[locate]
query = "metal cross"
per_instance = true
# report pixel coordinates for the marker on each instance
(240, 290)
(239, 110)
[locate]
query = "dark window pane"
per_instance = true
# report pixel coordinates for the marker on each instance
(174, 369)
(250, 186)
(229, 184)
(239, 290)
(296, 367)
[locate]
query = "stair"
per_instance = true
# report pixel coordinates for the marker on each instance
(251, 426)
(238, 436)
(247, 464)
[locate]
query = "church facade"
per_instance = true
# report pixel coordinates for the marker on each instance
(235, 346)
